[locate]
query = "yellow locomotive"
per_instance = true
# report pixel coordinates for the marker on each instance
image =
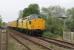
(33, 24)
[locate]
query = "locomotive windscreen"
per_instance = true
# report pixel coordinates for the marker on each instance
(34, 16)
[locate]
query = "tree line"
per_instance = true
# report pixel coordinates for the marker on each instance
(1, 22)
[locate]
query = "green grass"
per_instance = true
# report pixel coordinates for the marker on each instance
(50, 35)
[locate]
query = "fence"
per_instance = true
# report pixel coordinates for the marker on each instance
(68, 36)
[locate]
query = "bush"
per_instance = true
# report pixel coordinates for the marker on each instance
(49, 34)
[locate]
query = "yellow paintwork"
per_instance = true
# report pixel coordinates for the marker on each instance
(19, 24)
(12, 24)
(35, 24)
(38, 23)
(24, 24)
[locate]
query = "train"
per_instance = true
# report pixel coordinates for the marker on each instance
(32, 25)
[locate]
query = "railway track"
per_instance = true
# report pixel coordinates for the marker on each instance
(26, 44)
(58, 42)
(45, 41)
(3, 39)
(14, 37)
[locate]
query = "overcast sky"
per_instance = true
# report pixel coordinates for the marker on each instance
(9, 9)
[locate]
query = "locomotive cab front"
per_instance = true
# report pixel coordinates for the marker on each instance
(36, 24)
